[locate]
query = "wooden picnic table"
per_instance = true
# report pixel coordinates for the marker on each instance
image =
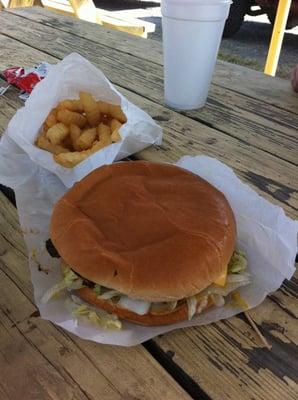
(250, 122)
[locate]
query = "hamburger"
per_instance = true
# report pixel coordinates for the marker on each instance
(150, 243)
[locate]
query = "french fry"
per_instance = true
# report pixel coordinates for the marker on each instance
(71, 159)
(115, 136)
(75, 129)
(116, 112)
(87, 100)
(75, 133)
(44, 130)
(86, 139)
(67, 142)
(93, 117)
(51, 119)
(71, 118)
(71, 105)
(57, 133)
(113, 110)
(104, 108)
(91, 108)
(104, 134)
(106, 119)
(103, 129)
(44, 143)
(115, 124)
(97, 145)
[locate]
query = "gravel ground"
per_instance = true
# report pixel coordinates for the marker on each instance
(248, 47)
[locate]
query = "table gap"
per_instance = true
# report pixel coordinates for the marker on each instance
(181, 377)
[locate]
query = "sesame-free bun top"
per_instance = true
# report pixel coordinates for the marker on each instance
(154, 232)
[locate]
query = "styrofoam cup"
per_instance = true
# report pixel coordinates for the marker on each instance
(192, 31)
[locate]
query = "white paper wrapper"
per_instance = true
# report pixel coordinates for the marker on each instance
(264, 232)
(64, 81)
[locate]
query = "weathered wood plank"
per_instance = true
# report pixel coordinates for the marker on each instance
(286, 298)
(145, 78)
(235, 360)
(183, 136)
(209, 142)
(240, 79)
(109, 372)
(272, 177)
(25, 372)
(3, 394)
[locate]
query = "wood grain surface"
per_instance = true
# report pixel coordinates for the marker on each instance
(250, 123)
(184, 135)
(226, 110)
(231, 76)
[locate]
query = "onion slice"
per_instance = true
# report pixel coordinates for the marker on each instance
(192, 306)
(137, 306)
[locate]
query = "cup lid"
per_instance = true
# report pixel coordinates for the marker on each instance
(213, 10)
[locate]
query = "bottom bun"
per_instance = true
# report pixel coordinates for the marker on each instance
(179, 314)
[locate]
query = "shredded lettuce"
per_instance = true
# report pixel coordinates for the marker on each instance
(236, 278)
(233, 282)
(97, 289)
(105, 293)
(80, 311)
(238, 262)
(241, 278)
(71, 281)
(106, 322)
(53, 292)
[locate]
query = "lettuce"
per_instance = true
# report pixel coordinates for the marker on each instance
(97, 289)
(70, 281)
(233, 282)
(104, 321)
(238, 262)
(80, 311)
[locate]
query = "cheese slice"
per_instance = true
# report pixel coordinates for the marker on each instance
(221, 280)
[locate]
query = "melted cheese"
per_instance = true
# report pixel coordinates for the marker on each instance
(221, 280)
